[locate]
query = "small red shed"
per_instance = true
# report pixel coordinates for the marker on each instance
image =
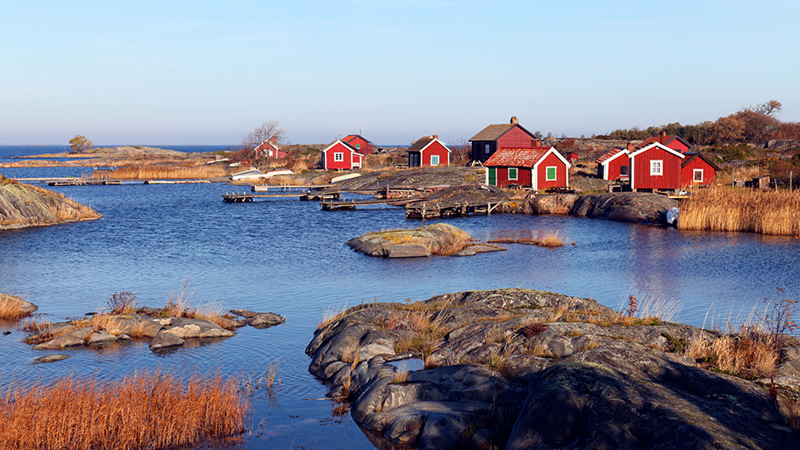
(494, 137)
(359, 143)
(674, 142)
(656, 167)
(269, 149)
(571, 156)
(341, 156)
(615, 164)
(539, 167)
(698, 170)
(428, 151)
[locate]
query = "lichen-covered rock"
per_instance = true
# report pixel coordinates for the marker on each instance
(589, 377)
(165, 340)
(435, 239)
(22, 205)
(71, 339)
(50, 358)
(256, 319)
(132, 324)
(195, 329)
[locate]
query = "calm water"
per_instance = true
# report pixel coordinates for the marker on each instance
(289, 257)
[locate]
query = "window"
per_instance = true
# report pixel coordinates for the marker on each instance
(486, 148)
(338, 156)
(656, 167)
(697, 176)
(512, 173)
(434, 160)
(623, 171)
(550, 173)
(358, 146)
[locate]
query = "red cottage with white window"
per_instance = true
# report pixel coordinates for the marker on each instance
(615, 164)
(539, 167)
(674, 142)
(341, 156)
(269, 149)
(428, 151)
(359, 143)
(698, 170)
(656, 167)
(494, 137)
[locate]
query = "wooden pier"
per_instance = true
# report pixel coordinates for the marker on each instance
(84, 182)
(436, 210)
(244, 197)
(350, 205)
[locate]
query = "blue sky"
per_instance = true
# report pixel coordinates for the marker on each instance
(206, 72)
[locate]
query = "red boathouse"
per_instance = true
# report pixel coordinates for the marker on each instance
(494, 137)
(698, 170)
(656, 167)
(341, 156)
(428, 151)
(539, 167)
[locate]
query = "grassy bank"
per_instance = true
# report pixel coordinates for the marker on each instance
(733, 209)
(146, 410)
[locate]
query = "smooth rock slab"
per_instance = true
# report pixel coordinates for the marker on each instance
(100, 337)
(165, 340)
(71, 339)
(196, 328)
(50, 358)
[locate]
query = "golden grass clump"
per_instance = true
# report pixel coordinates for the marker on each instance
(331, 316)
(146, 410)
(735, 209)
(750, 353)
(10, 308)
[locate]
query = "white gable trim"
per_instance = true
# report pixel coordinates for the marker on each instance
(535, 168)
(624, 152)
(440, 143)
(657, 145)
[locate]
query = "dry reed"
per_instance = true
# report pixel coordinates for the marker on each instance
(143, 411)
(733, 209)
(750, 353)
(167, 172)
(331, 316)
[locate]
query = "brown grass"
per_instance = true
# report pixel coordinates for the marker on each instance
(331, 316)
(750, 353)
(178, 302)
(165, 172)
(143, 411)
(736, 209)
(9, 308)
(550, 239)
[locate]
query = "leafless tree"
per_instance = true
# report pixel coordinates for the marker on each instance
(263, 132)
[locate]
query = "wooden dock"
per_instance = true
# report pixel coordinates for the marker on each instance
(350, 205)
(84, 182)
(436, 210)
(244, 197)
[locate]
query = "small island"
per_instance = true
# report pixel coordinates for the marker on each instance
(23, 205)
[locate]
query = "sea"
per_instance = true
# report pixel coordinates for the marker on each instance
(290, 258)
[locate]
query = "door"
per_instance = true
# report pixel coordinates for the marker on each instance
(492, 176)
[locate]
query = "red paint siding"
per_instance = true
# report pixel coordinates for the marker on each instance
(687, 173)
(541, 172)
(361, 145)
(435, 148)
(515, 138)
(678, 146)
(523, 177)
(348, 155)
(671, 170)
(614, 167)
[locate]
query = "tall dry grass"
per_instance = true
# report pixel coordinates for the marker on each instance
(748, 353)
(167, 172)
(9, 308)
(146, 410)
(734, 209)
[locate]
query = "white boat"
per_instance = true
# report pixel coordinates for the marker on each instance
(345, 177)
(275, 173)
(253, 173)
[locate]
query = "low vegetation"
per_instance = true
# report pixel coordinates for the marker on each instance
(163, 172)
(551, 239)
(10, 308)
(146, 410)
(732, 209)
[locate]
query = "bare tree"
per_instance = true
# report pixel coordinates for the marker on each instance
(265, 131)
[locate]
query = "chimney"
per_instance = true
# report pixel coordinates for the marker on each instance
(273, 139)
(663, 137)
(631, 147)
(514, 120)
(536, 143)
(436, 136)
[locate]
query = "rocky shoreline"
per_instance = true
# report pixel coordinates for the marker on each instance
(527, 369)
(22, 205)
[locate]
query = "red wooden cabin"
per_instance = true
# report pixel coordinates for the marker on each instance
(615, 164)
(539, 167)
(656, 167)
(673, 142)
(494, 137)
(359, 143)
(270, 149)
(698, 170)
(341, 156)
(428, 151)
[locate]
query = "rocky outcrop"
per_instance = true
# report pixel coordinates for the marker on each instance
(258, 320)
(527, 369)
(435, 239)
(22, 205)
(14, 307)
(635, 207)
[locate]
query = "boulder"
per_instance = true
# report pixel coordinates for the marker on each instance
(435, 239)
(20, 307)
(196, 328)
(473, 250)
(165, 340)
(265, 320)
(50, 358)
(625, 207)
(132, 324)
(100, 337)
(71, 339)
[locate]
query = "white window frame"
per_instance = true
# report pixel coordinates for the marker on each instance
(547, 173)
(656, 167)
(516, 174)
(434, 160)
(694, 175)
(338, 156)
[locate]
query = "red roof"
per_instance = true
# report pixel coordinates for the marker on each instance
(663, 140)
(610, 154)
(517, 157)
